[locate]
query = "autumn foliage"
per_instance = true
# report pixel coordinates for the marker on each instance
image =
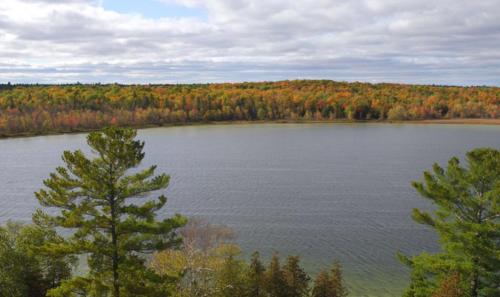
(39, 109)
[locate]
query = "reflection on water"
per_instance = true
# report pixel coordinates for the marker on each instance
(323, 191)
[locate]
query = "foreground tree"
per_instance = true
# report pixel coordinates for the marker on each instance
(197, 265)
(274, 278)
(256, 274)
(330, 284)
(296, 278)
(231, 277)
(93, 198)
(467, 220)
(339, 287)
(25, 268)
(322, 285)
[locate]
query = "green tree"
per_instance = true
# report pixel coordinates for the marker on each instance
(261, 114)
(256, 276)
(25, 268)
(296, 278)
(322, 285)
(330, 284)
(275, 280)
(231, 278)
(93, 196)
(467, 220)
(337, 279)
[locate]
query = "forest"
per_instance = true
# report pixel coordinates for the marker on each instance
(43, 109)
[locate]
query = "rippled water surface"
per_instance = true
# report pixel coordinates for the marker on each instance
(323, 191)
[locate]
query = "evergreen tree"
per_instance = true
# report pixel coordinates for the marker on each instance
(421, 285)
(467, 220)
(231, 278)
(116, 235)
(256, 276)
(338, 285)
(296, 278)
(330, 284)
(275, 281)
(322, 285)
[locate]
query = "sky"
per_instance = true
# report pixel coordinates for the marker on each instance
(452, 42)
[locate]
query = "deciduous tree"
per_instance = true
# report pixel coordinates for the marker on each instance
(26, 269)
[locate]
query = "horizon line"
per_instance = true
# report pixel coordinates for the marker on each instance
(242, 82)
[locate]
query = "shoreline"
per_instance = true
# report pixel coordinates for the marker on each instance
(457, 121)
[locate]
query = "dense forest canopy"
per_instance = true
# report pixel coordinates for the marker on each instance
(36, 109)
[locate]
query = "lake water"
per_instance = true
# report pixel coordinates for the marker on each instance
(323, 191)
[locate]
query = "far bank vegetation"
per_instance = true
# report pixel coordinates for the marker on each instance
(42, 109)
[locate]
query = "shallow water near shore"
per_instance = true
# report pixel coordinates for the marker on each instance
(323, 191)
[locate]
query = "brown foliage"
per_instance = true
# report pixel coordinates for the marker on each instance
(451, 286)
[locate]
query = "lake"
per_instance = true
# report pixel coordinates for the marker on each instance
(323, 191)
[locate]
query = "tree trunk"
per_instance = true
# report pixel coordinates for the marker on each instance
(475, 260)
(114, 239)
(116, 284)
(474, 284)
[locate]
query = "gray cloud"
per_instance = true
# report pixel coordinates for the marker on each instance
(438, 41)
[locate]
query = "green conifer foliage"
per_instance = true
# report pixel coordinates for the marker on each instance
(256, 276)
(322, 285)
(231, 278)
(296, 278)
(275, 280)
(330, 283)
(337, 279)
(99, 202)
(467, 220)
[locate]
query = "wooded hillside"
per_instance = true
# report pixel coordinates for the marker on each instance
(39, 109)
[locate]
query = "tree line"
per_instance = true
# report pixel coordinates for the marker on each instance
(209, 264)
(39, 109)
(204, 265)
(106, 205)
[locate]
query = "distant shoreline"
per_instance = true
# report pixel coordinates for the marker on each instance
(457, 121)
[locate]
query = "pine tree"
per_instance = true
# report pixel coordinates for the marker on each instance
(467, 220)
(296, 278)
(93, 198)
(338, 285)
(275, 280)
(330, 284)
(230, 278)
(256, 276)
(322, 285)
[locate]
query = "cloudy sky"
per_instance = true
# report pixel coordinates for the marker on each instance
(179, 41)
